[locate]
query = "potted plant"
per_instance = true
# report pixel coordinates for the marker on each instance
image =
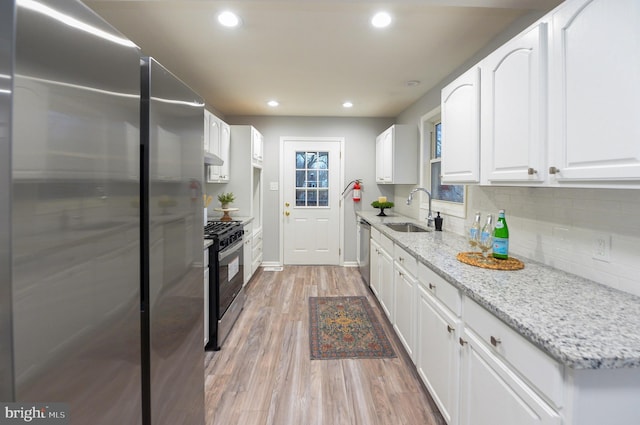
(382, 206)
(225, 199)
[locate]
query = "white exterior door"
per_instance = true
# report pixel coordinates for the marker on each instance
(311, 201)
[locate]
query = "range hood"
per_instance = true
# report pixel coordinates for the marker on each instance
(211, 159)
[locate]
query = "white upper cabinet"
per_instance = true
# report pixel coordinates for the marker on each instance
(513, 107)
(397, 155)
(218, 142)
(595, 92)
(461, 129)
(257, 147)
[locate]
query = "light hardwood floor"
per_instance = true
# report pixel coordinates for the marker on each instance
(263, 373)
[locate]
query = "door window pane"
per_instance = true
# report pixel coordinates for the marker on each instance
(312, 173)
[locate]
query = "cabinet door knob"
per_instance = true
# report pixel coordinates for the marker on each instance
(462, 341)
(531, 171)
(450, 329)
(554, 170)
(432, 286)
(495, 341)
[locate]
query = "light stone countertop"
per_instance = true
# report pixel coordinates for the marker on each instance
(580, 323)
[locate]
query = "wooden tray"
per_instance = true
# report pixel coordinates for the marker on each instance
(476, 259)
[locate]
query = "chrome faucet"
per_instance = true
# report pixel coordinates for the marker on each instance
(410, 198)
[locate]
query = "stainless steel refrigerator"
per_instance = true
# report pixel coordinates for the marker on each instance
(101, 280)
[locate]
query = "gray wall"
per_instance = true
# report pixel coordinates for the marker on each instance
(359, 156)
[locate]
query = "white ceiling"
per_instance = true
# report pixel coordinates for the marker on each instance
(312, 55)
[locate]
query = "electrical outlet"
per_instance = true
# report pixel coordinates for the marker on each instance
(602, 247)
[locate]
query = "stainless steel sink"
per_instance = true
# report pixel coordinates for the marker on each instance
(407, 227)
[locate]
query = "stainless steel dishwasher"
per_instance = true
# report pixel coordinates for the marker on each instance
(364, 262)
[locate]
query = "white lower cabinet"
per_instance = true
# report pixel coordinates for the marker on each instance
(404, 325)
(387, 284)
(247, 252)
(256, 253)
(491, 393)
(477, 369)
(374, 268)
(437, 357)
(381, 272)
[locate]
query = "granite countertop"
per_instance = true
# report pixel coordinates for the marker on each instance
(580, 323)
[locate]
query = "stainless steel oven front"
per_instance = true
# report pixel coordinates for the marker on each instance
(226, 293)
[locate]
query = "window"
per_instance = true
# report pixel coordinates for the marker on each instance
(312, 179)
(447, 198)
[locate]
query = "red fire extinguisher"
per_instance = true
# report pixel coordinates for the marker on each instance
(356, 191)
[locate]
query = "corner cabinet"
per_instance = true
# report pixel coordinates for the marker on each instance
(595, 92)
(460, 111)
(397, 155)
(217, 141)
(513, 107)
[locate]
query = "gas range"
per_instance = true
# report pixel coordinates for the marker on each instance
(225, 233)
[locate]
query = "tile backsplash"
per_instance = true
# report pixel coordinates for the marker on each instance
(559, 227)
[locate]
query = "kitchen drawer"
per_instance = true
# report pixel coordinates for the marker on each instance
(387, 244)
(440, 288)
(534, 365)
(406, 260)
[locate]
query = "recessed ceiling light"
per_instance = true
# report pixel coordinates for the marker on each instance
(273, 103)
(229, 19)
(381, 20)
(413, 83)
(347, 104)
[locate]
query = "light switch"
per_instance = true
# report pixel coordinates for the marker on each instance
(273, 185)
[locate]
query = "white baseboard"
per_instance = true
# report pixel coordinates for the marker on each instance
(350, 264)
(271, 266)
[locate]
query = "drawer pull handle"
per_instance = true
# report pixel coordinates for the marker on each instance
(462, 342)
(495, 341)
(450, 329)
(432, 286)
(554, 170)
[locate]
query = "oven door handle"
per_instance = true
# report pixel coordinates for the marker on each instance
(230, 250)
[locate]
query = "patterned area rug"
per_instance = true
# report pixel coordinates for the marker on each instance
(345, 328)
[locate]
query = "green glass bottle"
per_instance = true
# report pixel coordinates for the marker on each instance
(501, 238)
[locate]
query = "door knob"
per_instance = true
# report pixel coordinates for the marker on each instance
(287, 213)
(286, 204)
